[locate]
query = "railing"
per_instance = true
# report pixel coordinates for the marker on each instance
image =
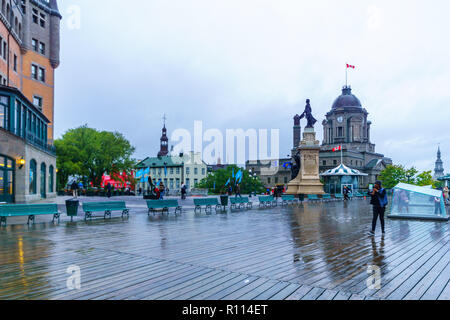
(41, 144)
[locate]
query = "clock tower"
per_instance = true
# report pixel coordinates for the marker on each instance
(347, 125)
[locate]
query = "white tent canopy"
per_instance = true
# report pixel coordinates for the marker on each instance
(343, 170)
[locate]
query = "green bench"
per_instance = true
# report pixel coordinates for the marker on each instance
(326, 197)
(154, 205)
(208, 203)
(107, 207)
(267, 201)
(240, 203)
(289, 199)
(30, 210)
(339, 196)
(313, 197)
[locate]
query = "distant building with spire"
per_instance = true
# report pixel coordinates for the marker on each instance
(439, 166)
(172, 170)
(164, 147)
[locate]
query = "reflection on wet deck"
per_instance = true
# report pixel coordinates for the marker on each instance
(315, 251)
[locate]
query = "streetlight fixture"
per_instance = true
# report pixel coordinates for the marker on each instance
(21, 163)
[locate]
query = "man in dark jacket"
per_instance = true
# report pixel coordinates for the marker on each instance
(379, 202)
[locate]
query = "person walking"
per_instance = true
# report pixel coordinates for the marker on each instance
(74, 188)
(183, 192)
(238, 190)
(108, 190)
(346, 192)
(379, 202)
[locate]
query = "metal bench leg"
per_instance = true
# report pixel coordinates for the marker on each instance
(178, 209)
(56, 216)
(125, 212)
(108, 213)
(196, 208)
(30, 218)
(208, 209)
(3, 221)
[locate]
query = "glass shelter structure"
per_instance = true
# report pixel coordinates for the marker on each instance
(342, 176)
(414, 202)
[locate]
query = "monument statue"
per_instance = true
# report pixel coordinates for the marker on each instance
(308, 114)
(305, 171)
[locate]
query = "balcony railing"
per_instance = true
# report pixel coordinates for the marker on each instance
(41, 144)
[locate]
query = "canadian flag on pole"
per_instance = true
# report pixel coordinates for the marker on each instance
(350, 66)
(337, 149)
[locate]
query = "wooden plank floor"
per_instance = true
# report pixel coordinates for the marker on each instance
(317, 251)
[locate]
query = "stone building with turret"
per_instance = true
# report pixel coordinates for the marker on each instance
(29, 55)
(347, 125)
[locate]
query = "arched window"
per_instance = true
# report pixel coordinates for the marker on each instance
(16, 24)
(8, 12)
(32, 177)
(3, 6)
(43, 186)
(50, 179)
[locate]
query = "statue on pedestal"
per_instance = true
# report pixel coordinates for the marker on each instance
(305, 170)
(308, 114)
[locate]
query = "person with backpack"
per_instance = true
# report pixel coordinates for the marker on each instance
(379, 201)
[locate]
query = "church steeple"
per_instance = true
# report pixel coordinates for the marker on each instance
(439, 166)
(164, 148)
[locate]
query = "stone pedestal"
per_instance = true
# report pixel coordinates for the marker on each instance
(308, 180)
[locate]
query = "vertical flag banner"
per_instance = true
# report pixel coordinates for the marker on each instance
(228, 182)
(165, 171)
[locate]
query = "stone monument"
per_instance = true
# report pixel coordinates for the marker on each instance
(307, 180)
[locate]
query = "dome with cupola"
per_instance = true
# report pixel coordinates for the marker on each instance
(347, 99)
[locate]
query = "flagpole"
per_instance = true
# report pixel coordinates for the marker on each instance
(346, 76)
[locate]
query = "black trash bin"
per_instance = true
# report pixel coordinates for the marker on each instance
(224, 201)
(72, 208)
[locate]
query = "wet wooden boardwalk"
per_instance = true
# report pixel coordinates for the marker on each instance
(315, 251)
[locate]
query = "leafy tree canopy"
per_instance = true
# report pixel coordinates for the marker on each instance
(90, 153)
(395, 174)
(216, 181)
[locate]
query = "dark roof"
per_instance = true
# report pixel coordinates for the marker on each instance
(447, 177)
(347, 99)
(166, 161)
(24, 99)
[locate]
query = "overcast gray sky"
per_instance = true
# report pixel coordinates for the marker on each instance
(252, 64)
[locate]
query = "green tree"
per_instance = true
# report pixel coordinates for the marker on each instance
(220, 177)
(89, 153)
(393, 175)
(425, 179)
